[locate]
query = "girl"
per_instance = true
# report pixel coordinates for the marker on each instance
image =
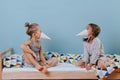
(32, 49)
(93, 49)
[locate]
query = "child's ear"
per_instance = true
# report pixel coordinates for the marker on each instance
(33, 34)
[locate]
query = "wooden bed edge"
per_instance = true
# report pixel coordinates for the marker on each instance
(2, 55)
(52, 75)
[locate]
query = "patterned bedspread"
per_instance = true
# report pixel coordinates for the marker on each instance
(17, 61)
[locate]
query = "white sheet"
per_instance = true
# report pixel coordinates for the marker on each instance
(59, 67)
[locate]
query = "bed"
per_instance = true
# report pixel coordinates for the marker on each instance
(61, 71)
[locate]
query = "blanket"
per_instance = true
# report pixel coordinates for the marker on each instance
(16, 61)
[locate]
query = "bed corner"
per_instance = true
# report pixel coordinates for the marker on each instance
(2, 55)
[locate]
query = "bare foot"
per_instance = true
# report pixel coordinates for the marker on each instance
(82, 66)
(40, 68)
(44, 70)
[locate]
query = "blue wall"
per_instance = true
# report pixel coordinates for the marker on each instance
(61, 20)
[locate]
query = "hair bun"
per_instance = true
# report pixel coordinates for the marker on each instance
(27, 24)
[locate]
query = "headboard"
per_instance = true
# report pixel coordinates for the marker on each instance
(2, 55)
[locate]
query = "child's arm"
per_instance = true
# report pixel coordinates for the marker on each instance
(41, 54)
(26, 49)
(96, 52)
(86, 55)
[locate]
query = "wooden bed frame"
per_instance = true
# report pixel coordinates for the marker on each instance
(51, 75)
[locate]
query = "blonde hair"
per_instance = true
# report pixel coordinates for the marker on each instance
(31, 28)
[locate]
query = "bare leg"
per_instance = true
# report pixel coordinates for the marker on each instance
(102, 64)
(52, 62)
(30, 59)
(80, 63)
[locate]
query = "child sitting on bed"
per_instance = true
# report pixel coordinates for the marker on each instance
(93, 49)
(32, 49)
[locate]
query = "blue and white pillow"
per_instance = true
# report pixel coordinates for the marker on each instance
(50, 54)
(69, 58)
(13, 61)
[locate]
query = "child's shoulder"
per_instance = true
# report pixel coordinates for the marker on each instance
(28, 42)
(95, 40)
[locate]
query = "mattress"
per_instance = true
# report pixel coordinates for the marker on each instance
(58, 67)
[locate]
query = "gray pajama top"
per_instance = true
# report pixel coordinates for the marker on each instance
(93, 51)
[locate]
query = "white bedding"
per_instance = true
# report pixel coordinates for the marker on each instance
(59, 67)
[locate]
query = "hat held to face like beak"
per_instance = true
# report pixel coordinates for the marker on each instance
(44, 36)
(84, 33)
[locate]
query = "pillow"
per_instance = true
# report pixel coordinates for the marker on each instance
(50, 54)
(17, 61)
(73, 58)
(13, 61)
(69, 58)
(62, 58)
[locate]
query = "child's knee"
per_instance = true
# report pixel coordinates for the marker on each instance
(29, 55)
(101, 64)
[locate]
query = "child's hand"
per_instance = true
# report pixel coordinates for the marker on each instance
(34, 55)
(91, 37)
(47, 64)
